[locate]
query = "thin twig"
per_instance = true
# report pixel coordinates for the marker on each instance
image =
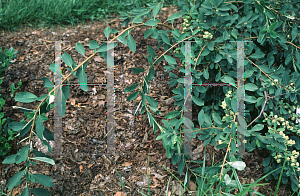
(266, 99)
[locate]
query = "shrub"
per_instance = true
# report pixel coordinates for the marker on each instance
(270, 71)
(6, 133)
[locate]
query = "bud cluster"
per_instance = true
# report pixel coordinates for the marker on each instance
(187, 23)
(207, 35)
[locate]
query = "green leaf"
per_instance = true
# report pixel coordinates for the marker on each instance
(80, 74)
(147, 33)
(152, 101)
(131, 43)
(257, 55)
(93, 45)
(15, 126)
(281, 146)
(107, 32)
(150, 118)
(257, 127)
(48, 134)
(251, 87)
(207, 5)
(25, 192)
(265, 68)
(274, 35)
(131, 88)
(10, 159)
(170, 60)
(15, 179)
(227, 79)
(206, 74)
(66, 91)
(165, 38)
(136, 19)
(174, 16)
(181, 165)
(197, 101)
(262, 36)
(39, 127)
(26, 128)
(25, 97)
(132, 96)
(40, 192)
(250, 99)
(150, 23)
(207, 119)
(137, 70)
(217, 118)
(44, 159)
(176, 33)
(266, 161)
(201, 117)
(161, 136)
(294, 33)
(151, 74)
(80, 49)
(68, 60)
(43, 180)
(151, 51)
(48, 83)
(218, 58)
(63, 104)
(172, 114)
(269, 14)
(52, 67)
(103, 47)
(218, 76)
(156, 9)
(22, 154)
(42, 97)
(225, 35)
(273, 26)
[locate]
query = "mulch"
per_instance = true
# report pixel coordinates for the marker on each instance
(84, 168)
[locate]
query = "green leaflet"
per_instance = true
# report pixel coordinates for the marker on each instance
(80, 49)
(25, 97)
(69, 61)
(93, 45)
(137, 70)
(43, 180)
(131, 88)
(15, 179)
(80, 74)
(48, 83)
(39, 127)
(132, 96)
(10, 159)
(40, 192)
(44, 159)
(22, 154)
(174, 16)
(152, 101)
(150, 23)
(172, 114)
(131, 43)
